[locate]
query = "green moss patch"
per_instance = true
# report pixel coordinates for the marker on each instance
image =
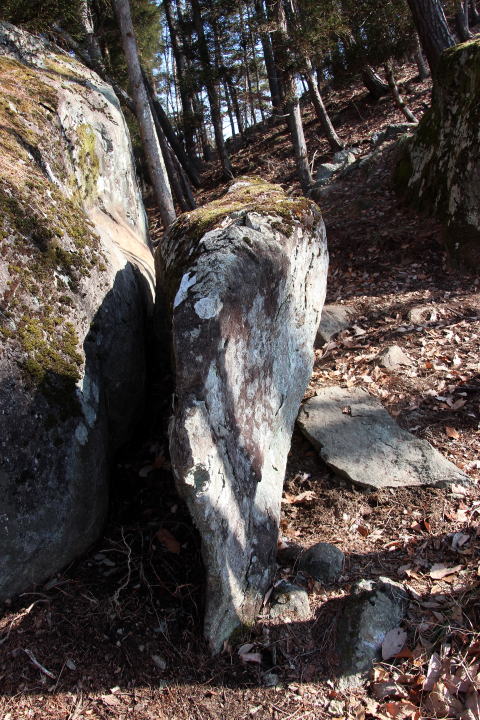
(256, 196)
(87, 160)
(46, 240)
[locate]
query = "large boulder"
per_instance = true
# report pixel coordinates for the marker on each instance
(439, 167)
(244, 281)
(76, 279)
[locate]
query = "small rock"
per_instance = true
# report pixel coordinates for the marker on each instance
(374, 608)
(270, 679)
(394, 357)
(322, 561)
(326, 170)
(289, 600)
(383, 690)
(345, 157)
(336, 708)
(159, 662)
(391, 132)
(419, 314)
(335, 318)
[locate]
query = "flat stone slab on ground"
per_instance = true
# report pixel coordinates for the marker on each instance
(356, 436)
(335, 318)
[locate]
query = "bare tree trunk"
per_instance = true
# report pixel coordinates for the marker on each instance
(423, 71)
(399, 101)
(273, 81)
(374, 84)
(474, 14)
(167, 128)
(320, 109)
(211, 90)
(156, 165)
(461, 21)
(236, 108)
(184, 199)
(188, 117)
(432, 29)
(292, 105)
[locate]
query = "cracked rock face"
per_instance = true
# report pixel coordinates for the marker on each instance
(245, 300)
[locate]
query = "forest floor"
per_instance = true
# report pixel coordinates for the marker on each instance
(118, 634)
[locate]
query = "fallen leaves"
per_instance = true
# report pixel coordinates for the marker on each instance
(304, 497)
(452, 433)
(438, 571)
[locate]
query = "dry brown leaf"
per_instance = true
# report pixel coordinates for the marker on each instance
(438, 571)
(402, 710)
(306, 496)
(452, 433)
(168, 541)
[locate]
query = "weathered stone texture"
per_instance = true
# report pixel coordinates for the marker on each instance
(76, 277)
(357, 438)
(245, 279)
(439, 167)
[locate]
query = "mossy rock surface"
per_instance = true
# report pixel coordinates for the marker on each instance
(246, 195)
(72, 306)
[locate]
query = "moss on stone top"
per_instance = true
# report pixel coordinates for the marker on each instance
(246, 194)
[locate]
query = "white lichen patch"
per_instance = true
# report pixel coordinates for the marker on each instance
(185, 284)
(208, 307)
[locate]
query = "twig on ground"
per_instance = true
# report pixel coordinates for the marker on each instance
(38, 665)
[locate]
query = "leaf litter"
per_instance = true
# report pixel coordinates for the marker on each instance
(389, 268)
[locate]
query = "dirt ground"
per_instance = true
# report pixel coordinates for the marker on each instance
(118, 634)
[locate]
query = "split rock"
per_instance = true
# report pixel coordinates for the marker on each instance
(335, 318)
(356, 436)
(372, 610)
(78, 277)
(244, 281)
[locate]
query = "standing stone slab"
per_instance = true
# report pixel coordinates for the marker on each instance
(244, 279)
(357, 437)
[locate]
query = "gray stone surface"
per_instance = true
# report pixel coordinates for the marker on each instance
(372, 610)
(246, 297)
(326, 170)
(289, 601)
(72, 367)
(357, 437)
(391, 132)
(322, 561)
(335, 318)
(393, 358)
